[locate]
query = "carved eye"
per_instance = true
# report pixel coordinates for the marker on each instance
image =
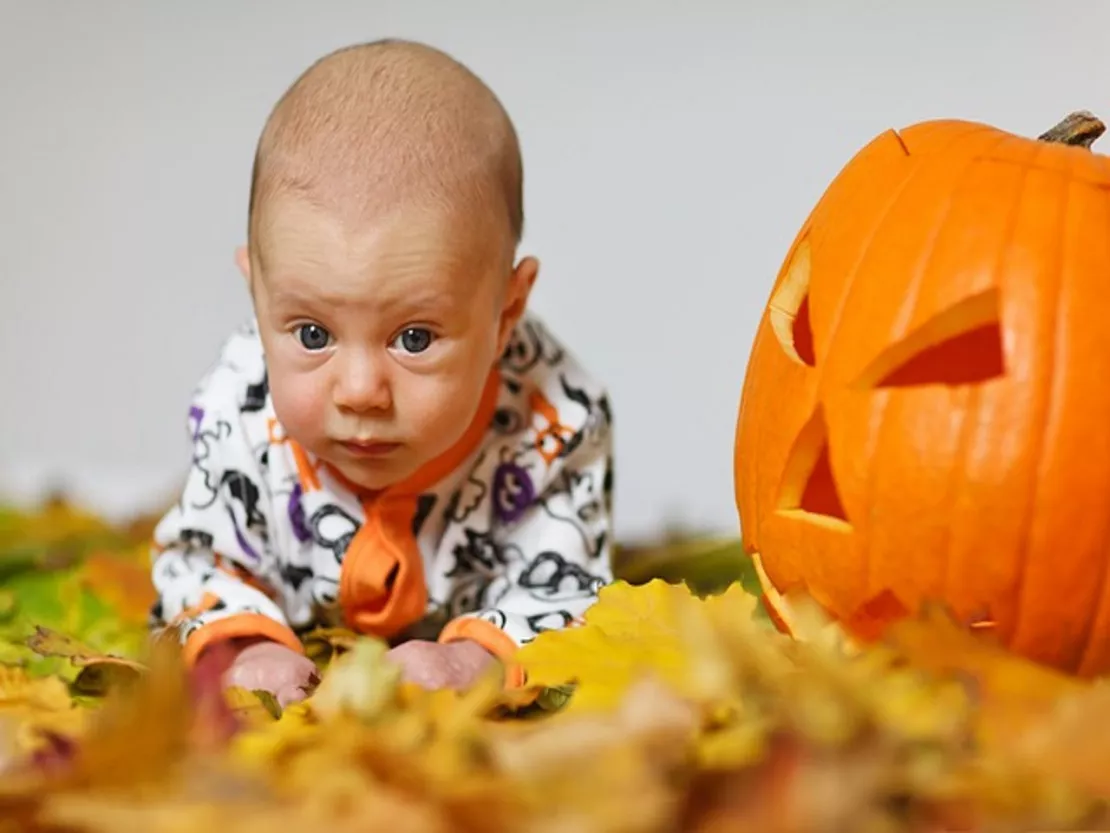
(789, 308)
(808, 488)
(960, 346)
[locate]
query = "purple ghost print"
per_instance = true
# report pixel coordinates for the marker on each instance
(513, 492)
(296, 515)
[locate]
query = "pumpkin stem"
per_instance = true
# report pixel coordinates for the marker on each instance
(1080, 128)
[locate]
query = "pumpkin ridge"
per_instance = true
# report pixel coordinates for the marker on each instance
(1048, 423)
(965, 437)
(1079, 660)
(850, 279)
(923, 133)
(876, 438)
(738, 463)
(1101, 609)
(910, 299)
(755, 475)
(1105, 160)
(955, 477)
(850, 284)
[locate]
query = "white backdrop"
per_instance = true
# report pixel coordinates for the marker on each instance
(671, 151)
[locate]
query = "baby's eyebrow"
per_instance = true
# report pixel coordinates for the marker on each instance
(315, 297)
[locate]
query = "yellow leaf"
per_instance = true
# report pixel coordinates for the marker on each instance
(250, 707)
(32, 706)
(656, 629)
(261, 743)
(360, 682)
(1012, 692)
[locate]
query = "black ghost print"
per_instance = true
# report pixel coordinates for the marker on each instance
(468, 498)
(549, 621)
(551, 576)
(325, 591)
(586, 507)
(199, 621)
(295, 576)
(196, 540)
(424, 506)
(468, 595)
(495, 618)
(204, 442)
(529, 345)
(333, 529)
(478, 554)
(244, 490)
(255, 399)
(508, 421)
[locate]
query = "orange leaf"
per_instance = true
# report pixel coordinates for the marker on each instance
(121, 581)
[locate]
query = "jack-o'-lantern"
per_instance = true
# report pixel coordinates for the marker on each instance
(926, 409)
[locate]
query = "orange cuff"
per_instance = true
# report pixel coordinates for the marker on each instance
(493, 639)
(239, 625)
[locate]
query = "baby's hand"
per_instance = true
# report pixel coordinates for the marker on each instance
(270, 666)
(434, 665)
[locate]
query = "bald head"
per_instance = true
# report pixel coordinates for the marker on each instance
(370, 128)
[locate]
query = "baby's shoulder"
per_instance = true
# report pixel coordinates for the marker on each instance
(551, 407)
(237, 380)
(542, 371)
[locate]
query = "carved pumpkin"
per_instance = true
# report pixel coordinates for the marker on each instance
(926, 409)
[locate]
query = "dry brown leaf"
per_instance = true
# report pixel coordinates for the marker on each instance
(99, 672)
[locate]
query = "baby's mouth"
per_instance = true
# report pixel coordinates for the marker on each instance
(369, 448)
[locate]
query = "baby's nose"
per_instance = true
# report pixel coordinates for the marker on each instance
(362, 385)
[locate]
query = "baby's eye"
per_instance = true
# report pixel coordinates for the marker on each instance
(313, 336)
(414, 340)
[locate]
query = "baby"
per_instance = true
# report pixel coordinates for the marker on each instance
(392, 444)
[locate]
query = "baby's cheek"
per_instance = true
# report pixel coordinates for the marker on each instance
(301, 404)
(441, 408)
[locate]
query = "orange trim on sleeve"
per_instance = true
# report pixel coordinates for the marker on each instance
(493, 639)
(239, 625)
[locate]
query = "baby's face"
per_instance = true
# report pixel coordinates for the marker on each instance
(378, 340)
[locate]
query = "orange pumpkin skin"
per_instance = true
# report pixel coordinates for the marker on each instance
(926, 408)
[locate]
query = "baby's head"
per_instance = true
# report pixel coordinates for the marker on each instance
(385, 215)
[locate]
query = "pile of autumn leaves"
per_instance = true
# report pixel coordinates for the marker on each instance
(664, 712)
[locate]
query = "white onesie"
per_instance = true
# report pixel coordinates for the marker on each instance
(506, 535)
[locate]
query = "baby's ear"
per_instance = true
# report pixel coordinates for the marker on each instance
(516, 298)
(243, 261)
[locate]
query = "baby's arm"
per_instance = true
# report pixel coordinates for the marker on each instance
(565, 537)
(213, 568)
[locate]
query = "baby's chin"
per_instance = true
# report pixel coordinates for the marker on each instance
(376, 473)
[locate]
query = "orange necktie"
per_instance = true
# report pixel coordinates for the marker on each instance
(382, 589)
